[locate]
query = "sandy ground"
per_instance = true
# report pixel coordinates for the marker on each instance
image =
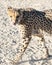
(9, 36)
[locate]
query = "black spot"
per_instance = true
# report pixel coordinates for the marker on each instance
(11, 16)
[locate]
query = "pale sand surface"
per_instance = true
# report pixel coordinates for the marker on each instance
(9, 36)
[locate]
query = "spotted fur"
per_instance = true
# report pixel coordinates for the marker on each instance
(27, 20)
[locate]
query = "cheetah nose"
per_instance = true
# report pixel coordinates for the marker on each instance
(14, 23)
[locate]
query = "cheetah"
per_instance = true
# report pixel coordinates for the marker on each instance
(27, 20)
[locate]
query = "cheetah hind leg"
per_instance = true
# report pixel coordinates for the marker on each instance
(42, 40)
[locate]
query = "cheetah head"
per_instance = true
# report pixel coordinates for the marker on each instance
(16, 15)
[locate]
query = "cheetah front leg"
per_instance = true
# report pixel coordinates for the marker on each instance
(25, 35)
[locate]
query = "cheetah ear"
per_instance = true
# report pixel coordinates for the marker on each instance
(20, 11)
